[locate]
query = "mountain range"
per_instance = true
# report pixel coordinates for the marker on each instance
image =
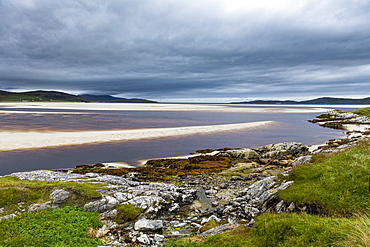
(43, 96)
(318, 101)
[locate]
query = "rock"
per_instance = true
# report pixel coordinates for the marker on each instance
(213, 217)
(152, 205)
(122, 197)
(109, 215)
(210, 192)
(291, 207)
(282, 150)
(174, 209)
(8, 217)
(37, 207)
(148, 225)
(59, 196)
(144, 239)
(195, 225)
(221, 229)
(102, 231)
(280, 207)
(102, 205)
(247, 154)
(158, 238)
(180, 225)
(302, 160)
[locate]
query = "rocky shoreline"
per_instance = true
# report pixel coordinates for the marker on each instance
(212, 192)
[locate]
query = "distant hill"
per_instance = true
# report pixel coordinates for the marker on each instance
(100, 97)
(318, 101)
(42, 96)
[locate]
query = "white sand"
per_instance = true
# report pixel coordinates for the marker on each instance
(24, 140)
(160, 107)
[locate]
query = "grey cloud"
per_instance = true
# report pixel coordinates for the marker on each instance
(154, 48)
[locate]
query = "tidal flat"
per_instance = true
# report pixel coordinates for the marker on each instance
(63, 135)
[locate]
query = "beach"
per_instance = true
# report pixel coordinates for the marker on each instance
(26, 140)
(158, 107)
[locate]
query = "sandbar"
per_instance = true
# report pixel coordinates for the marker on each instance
(161, 107)
(26, 140)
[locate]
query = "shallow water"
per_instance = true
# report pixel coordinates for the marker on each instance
(289, 127)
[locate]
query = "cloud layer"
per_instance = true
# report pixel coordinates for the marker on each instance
(187, 49)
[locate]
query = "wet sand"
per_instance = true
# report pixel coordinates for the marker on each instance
(27, 140)
(159, 107)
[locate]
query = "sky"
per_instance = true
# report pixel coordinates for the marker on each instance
(187, 50)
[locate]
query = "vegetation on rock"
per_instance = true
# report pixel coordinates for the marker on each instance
(127, 212)
(161, 169)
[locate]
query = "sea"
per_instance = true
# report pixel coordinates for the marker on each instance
(288, 127)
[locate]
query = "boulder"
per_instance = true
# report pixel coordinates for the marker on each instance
(145, 225)
(246, 153)
(285, 150)
(59, 196)
(144, 239)
(102, 205)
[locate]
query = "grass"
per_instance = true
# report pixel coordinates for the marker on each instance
(358, 233)
(278, 230)
(339, 183)
(363, 111)
(15, 192)
(68, 226)
(289, 230)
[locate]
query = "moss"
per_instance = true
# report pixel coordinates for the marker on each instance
(127, 212)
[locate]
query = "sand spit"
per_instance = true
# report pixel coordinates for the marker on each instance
(161, 107)
(25, 140)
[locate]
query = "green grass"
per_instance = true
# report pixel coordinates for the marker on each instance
(54, 227)
(363, 111)
(279, 230)
(127, 212)
(339, 183)
(14, 191)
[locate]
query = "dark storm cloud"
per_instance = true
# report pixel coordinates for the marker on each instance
(270, 49)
